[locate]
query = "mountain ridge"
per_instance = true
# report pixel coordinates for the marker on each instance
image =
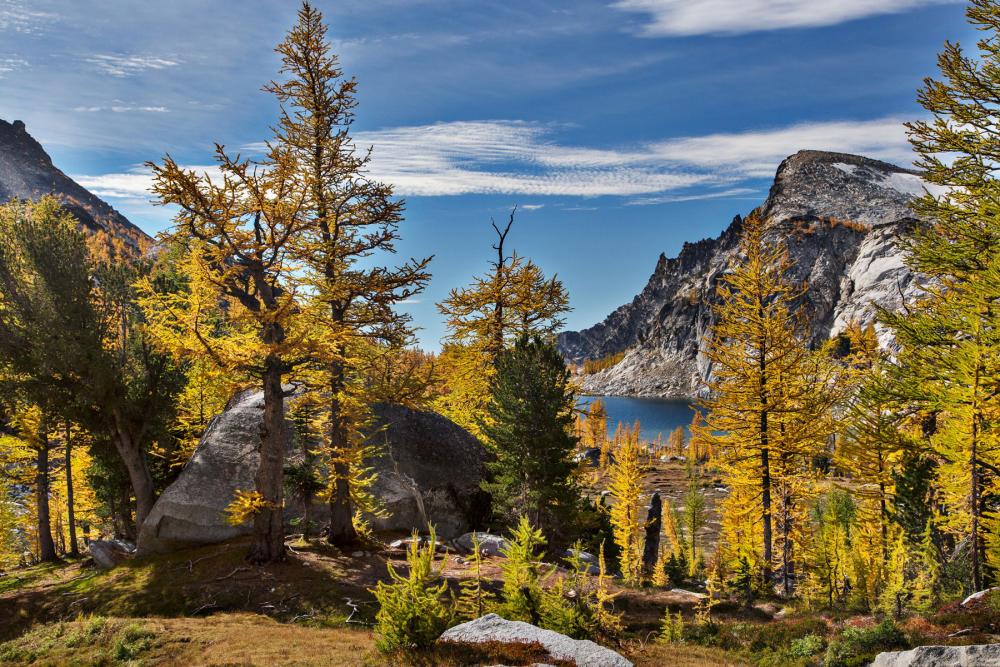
(842, 217)
(27, 172)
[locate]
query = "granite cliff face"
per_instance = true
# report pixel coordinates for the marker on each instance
(27, 172)
(841, 217)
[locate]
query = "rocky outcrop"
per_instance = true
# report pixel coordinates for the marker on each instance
(841, 216)
(976, 655)
(492, 629)
(27, 172)
(427, 467)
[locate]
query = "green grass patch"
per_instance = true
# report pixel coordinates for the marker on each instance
(92, 641)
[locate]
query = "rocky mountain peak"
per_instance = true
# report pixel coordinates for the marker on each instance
(27, 172)
(841, 217)
(812, 184)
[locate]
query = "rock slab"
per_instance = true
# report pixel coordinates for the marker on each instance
(492, 628)
(975, 655)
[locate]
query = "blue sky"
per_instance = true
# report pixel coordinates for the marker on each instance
(622, 129)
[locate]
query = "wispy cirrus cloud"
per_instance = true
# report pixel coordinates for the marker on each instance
(122, 108)
(521, 158)
(125, 65)
(11, 63)
(15, 16)
(729, 193)
(134, 185)
(517, 157)
(705, 17)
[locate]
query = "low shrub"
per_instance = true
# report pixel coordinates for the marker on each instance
(807, 646)
(859, 646)
(412, 613)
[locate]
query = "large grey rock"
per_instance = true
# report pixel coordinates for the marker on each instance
(428, 467)
(976, 655)
(110, 553)
(493, 628)
(842, 217)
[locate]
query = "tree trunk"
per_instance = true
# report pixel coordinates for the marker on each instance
(137, 468)
(341, 530)
(974, 501)
(46, 547)
(765, 465)
(70, 511)
(268, 543)
(765, 488)
(787, 566)
(654, 523)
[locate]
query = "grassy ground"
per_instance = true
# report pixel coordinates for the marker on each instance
(206, 606)
(248, 639)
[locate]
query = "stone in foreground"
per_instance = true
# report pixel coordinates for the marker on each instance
(494, 629)
(489, 545)
(110, 553)
(976, 655)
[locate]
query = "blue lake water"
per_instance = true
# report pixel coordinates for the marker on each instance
(655, 415)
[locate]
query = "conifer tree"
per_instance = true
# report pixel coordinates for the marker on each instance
(950, 340)
(412, 612)
(348, 218)
(767, 406)
(874, 440)
(597, 424)
(528, 425)
(522, 574)
(694, 520)
(625, 486)
(72, 338)
(237, 230)
(474, 599)
(676, 441)
(513, 299)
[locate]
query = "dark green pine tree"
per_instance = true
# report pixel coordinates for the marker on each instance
(529, 427)
(913, 500)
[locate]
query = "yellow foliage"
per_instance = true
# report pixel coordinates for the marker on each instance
(591, 366)
(245, 506)
(625, 486)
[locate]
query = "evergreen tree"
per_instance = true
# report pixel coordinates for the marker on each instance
(625, 487)
(528, 426)
(512, 300)
(349, 218)
(72, 338)
(950, 341)
(768, 408)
